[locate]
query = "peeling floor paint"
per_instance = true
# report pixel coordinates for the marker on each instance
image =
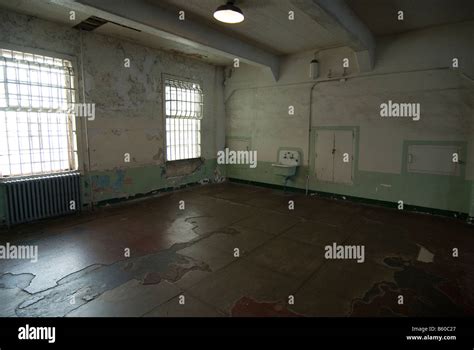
(9, 281)
(247, 307)
(191, 253)
(425, 255)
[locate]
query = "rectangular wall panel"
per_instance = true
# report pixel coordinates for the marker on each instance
(433, 159)
(324, 158)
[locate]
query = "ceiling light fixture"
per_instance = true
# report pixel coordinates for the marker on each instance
(229, 13)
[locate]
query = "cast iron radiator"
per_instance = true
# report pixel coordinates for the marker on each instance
(42, 197)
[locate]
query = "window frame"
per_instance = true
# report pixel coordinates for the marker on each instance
(164, 77)
(80, 122)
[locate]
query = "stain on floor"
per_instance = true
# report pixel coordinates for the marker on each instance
(184, 262)
(246, 307)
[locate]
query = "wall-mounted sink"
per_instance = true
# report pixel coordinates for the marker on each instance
(284, 170)
(288, 161)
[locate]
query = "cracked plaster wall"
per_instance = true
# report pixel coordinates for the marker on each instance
(129, 115)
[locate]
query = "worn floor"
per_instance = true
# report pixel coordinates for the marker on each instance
(184, 263)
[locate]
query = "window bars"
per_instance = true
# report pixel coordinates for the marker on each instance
(37, 121)
(183, 108)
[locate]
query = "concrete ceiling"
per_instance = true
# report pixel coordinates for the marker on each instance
(266, 24)
(381, 16)
(45, 10)
(265, 35)
(58, 13)
(266, 32)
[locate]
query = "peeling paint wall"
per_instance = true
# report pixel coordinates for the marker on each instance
(409, 68)
(129, 107)
(130, 116)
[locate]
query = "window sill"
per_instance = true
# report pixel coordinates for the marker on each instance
(182, 167)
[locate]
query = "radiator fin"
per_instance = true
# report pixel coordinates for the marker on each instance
(42, 197)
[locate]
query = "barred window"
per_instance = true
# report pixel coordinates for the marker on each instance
(183, 107)
(37, 128)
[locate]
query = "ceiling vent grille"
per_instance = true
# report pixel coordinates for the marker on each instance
(90, 24)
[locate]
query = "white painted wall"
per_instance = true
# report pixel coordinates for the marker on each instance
(409, 68)
(412, 67)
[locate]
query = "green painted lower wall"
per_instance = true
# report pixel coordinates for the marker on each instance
(130, 182)
(429, 191)
(123, 183)
(447, 193)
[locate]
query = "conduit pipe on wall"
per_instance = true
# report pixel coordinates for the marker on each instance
(86, 131)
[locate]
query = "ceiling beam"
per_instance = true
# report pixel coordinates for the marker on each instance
(338, 18)
(164, 23)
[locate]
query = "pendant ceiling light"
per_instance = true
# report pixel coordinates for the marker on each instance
(229, 13)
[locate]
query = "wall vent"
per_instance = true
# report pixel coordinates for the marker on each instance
(94, 22)
(90, 23)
